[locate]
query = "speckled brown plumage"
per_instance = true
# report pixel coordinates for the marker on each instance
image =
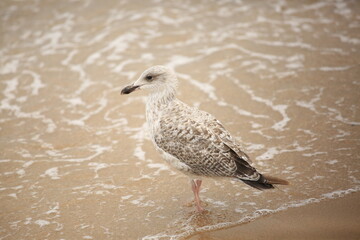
(201, 142)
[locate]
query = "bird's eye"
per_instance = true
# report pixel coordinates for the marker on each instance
(149, 77)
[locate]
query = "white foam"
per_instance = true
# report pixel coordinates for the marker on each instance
(126, 197)
(317, 177)
(139, 153)
(346, 39)
(269, 154)
(42, 223)
(54, 209)
(75, 101)
(98, 166)
(280, 108)
(273, 151)
(269, 57)
(116, 46)
(332, 162)
(305, 8)
(218, 65)
(342, 9)
(295, 44)
(217, 203)
(9, 92)
(178, 60)
(93, 57)
(159, 166)
(37, 84)
(10, 67)
(13, 195)
(207, 88)
(69, 57)
(138, 200)
(338, 116)
(337, 68)
(253, 147)
(75, 122)
(20, 172)
(53, 173)
(95, 150)
(280, 126)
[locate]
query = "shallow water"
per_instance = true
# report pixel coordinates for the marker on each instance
(76, 161)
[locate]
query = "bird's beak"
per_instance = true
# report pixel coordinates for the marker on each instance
(129, 89)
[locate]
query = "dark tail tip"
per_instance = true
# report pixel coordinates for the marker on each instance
(275, 180)
(265, 182)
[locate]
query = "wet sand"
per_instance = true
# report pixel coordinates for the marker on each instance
(76, 161)
(332, 219)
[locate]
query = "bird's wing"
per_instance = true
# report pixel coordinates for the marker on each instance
(201, 147)
(219, 130)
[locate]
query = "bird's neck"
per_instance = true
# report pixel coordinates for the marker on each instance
(157, 104)
(160, 99)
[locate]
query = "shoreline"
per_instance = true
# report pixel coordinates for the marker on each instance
(329, 219)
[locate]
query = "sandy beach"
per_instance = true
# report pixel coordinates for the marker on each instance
(76, 159)
(331, 219)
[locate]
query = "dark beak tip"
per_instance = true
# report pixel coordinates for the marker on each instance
(124, 91)
(128, 89)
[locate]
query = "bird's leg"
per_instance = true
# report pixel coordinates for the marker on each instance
(195, 185)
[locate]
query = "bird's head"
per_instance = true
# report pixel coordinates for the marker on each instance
(154, 79)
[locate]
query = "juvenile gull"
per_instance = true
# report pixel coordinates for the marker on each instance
(191, 140)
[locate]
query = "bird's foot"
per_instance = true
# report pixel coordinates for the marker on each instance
(200, 209)
(193, 203)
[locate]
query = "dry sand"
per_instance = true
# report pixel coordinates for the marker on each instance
(332, 219)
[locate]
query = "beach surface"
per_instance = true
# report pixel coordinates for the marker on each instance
(331, 219)
(76, 160)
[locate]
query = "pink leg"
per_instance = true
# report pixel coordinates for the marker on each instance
(195, 185)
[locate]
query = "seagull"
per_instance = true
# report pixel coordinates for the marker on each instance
(190, 140)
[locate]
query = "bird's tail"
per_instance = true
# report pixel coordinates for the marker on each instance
(266, 182)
